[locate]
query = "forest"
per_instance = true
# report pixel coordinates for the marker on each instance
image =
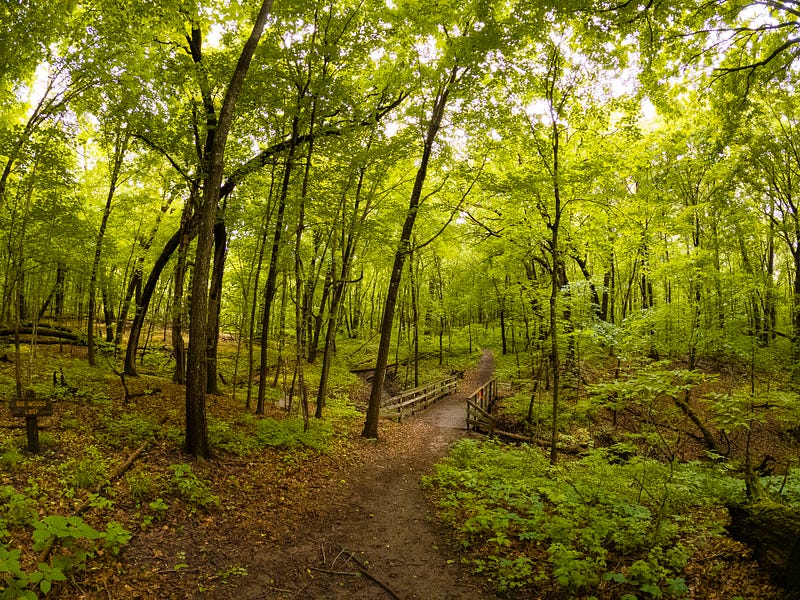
(232, 230)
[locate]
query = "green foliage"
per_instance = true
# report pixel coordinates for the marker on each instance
(786, 487)
(288, 433)
(18, 581)
(143, 486)
(222, 434)
(249, 433)
(339, 408)
(16, 510)
(192, 489)
(10, 458)
(86, 472)
(130, 429)
(75, 541)
(511, 504)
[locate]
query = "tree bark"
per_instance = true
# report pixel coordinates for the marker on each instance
(120, 148)
(773, 531)
(403, 249)
(196, 438)
(215, 304)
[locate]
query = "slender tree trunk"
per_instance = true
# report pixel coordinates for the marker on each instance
(795, 374)
(108, 314)
(196, 439)
(254, 305)
(272, 274)
(215, 304)
(120, 148)
(338, 286)
(178, 345)
(61, 277)
(414, 314)
(403, 249)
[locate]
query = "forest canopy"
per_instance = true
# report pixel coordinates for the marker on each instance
(622, 174)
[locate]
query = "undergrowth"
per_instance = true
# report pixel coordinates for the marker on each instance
(590, 528)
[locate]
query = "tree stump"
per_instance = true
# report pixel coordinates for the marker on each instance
(773, 531)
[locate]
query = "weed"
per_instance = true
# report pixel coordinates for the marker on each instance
(143, 486)
(16, 510)
(192, 489)
(86, 473)
(130, 429)
(11, 458)
(222, 435)
(288, 433)
(77, 542)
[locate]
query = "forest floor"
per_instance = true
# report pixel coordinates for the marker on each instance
(355, 525)
(352, 521)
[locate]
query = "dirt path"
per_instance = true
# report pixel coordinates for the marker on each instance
(379, 522)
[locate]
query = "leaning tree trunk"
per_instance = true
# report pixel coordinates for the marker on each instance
(144, 303)
(403, 249)
(135, 283)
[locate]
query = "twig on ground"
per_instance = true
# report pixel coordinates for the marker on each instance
(330, 572)
(365, 570)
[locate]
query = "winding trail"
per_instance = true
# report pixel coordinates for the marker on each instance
(376, 537)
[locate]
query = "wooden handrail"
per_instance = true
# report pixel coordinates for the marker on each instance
(422, 395)
(480, 405)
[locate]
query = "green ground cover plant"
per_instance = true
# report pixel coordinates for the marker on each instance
(591, 525)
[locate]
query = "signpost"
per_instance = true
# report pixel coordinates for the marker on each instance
(31, 407)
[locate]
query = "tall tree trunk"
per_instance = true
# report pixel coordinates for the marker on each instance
(196, 438)
(215, 303)
(403, 249)
(414, 313)
(61, 277)
(795, 374)
(272, 274)
(178, 345)
(254, 305)
(108, 314)
(338, 285)
(120, 148)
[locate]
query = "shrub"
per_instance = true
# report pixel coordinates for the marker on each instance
(513, 507)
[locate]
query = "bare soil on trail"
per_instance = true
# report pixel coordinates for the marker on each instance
(374, 534)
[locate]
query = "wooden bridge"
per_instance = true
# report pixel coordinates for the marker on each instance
(419, 398)
(479, 408)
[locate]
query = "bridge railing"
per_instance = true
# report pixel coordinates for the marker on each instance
(419, 398)
(479, 407)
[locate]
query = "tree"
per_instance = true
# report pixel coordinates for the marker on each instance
(196, 441)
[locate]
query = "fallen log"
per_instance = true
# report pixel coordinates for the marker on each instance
(43, 332)
(773, 531)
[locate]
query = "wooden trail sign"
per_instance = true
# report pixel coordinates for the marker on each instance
(31, 408)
